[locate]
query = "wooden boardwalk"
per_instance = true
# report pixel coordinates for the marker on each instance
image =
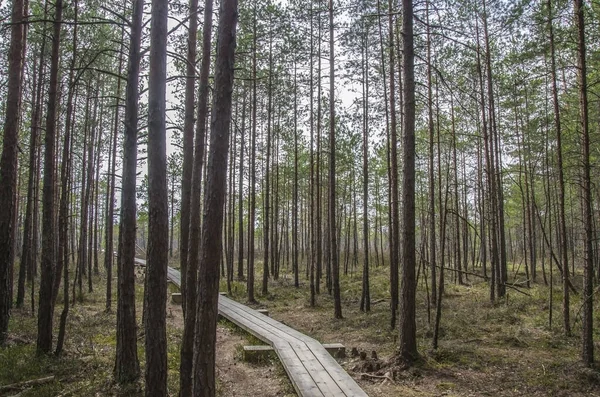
(312, 370)
(310, 367)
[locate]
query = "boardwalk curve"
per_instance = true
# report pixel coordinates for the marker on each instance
(312, 370)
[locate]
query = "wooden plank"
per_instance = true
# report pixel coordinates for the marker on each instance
(318, 372)
(337, 373)
(284, 328)
(259, 320)
(302, 381)
(341, 377)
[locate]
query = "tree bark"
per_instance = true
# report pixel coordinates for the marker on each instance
(587, 326)
(187, 345)
(155, 290)
(127, 367)
(188, 150)
(335, 266)
(9, 163)
(408, 331)
(394, 202)
(212, 225)
(48, 264)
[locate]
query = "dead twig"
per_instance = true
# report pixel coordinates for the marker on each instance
(27, 383)
(366, 375)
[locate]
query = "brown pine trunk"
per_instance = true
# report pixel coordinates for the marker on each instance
(110, 213)
(27, 254)
(365, 298)
(430, 127)
(155, 290)
(188, 149)
(252, 215)
(266, 202)
(313, 181)
(187, 345)
(126, 362)
(46, 310)
(393, 173)
(295, 204)
(212, 225)
(63, 216)
(240, 269)
(587, 327)
(8, 168)
(335, 266)
(408, 331)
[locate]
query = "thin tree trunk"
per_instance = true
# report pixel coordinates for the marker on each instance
(335, 270)
(240, 270)
(188, 149)
(252, 216)
(394, 200)
(587, 328)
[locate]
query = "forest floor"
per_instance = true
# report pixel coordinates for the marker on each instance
(506, 349)
(85, 367)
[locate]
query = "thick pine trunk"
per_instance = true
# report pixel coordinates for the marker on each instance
(126, 362)
(46, 310)
(8, 166)
(187, 345)
(207, 304)
(408, 331)
(155, 290)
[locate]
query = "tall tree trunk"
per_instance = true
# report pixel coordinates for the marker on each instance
(561, 181)
(127, 367)
(187, 345)
(240, 269)
(266, 201)
(63, 216)
(48, 264)
(155, 291)
(394, 202)
(408, 331)
(430, 127)
(313, 179)
(110, 212)
(207, 305)
(188, 149)
(318, 177)
(365, 299)
(27, 254)
(335, 267)
(252, 215)
(8, 167)
(295, 204)
(587, 327)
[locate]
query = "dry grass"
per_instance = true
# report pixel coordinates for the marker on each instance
(85, 368)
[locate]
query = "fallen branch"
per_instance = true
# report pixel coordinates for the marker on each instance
(511, 286)
(28, 383)
(371, 376)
